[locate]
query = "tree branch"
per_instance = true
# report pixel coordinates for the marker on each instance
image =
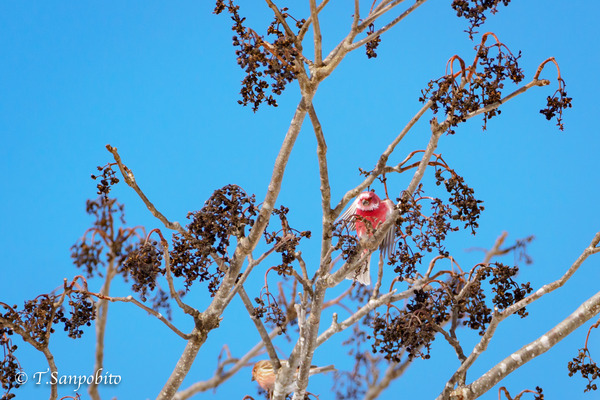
(218, 378)
(131, 299)
(325, 189)
(198, 337)
(314, 14)
(393, 371)
(101, 318)
(381, 163)
(38, 346)
(500, 316)
(586, 311)
(309, 21)
(130, 180)
(260, 328)
(281, 19)
(370, 19)
(490, 107)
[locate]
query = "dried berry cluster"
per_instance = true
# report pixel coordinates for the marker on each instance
(9, 366)
(40, 314)
(82, 312)
(144, 265)
(267, 65)
(482, 89)
(286, 240)
(556, 104)
(36, 317)
(226, 213)
(107, 243)
(507, 292)
(36, 322)
(270, 311)
(584, 365)
(420, 233)
(87, 255)
(160, 301)
(462, 197)
(411, 329)
(474, 11)
(107, 179)
(371, 46)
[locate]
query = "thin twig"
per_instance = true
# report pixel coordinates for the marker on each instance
(309, 21)
(130, 180)
(131, 299)
(185, 307)
(490, 107)
(369, 20)
(259, 327)
(381, 163)
(500, 316)
(281, 19)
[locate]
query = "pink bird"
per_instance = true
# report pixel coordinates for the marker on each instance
(369, 207)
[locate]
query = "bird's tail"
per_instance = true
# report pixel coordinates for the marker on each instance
(363, 275)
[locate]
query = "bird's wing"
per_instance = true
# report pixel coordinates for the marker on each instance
(387, 245)
(349, 214)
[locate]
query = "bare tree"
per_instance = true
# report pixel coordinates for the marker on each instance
(390, 323)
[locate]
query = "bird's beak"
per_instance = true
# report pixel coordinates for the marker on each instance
(252, 379)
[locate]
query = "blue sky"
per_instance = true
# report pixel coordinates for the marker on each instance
(160, 82)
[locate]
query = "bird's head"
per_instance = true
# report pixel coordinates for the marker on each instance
(261, 367)
(368, 201)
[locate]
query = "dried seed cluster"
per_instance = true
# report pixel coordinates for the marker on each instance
(9, 366)
(420, 233)
(37, 319)
(472, 306)
(481, 87)
(413, 328)
(556, 104)
(107, 179)
(226, 213)
(82, 313)
(371, 45)
(270, 310)
(345, 240)
(286, 240)
(106, 243)
(584, 365)
(474, 11)
(144, 264)
(462, 198)
(267, 65)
